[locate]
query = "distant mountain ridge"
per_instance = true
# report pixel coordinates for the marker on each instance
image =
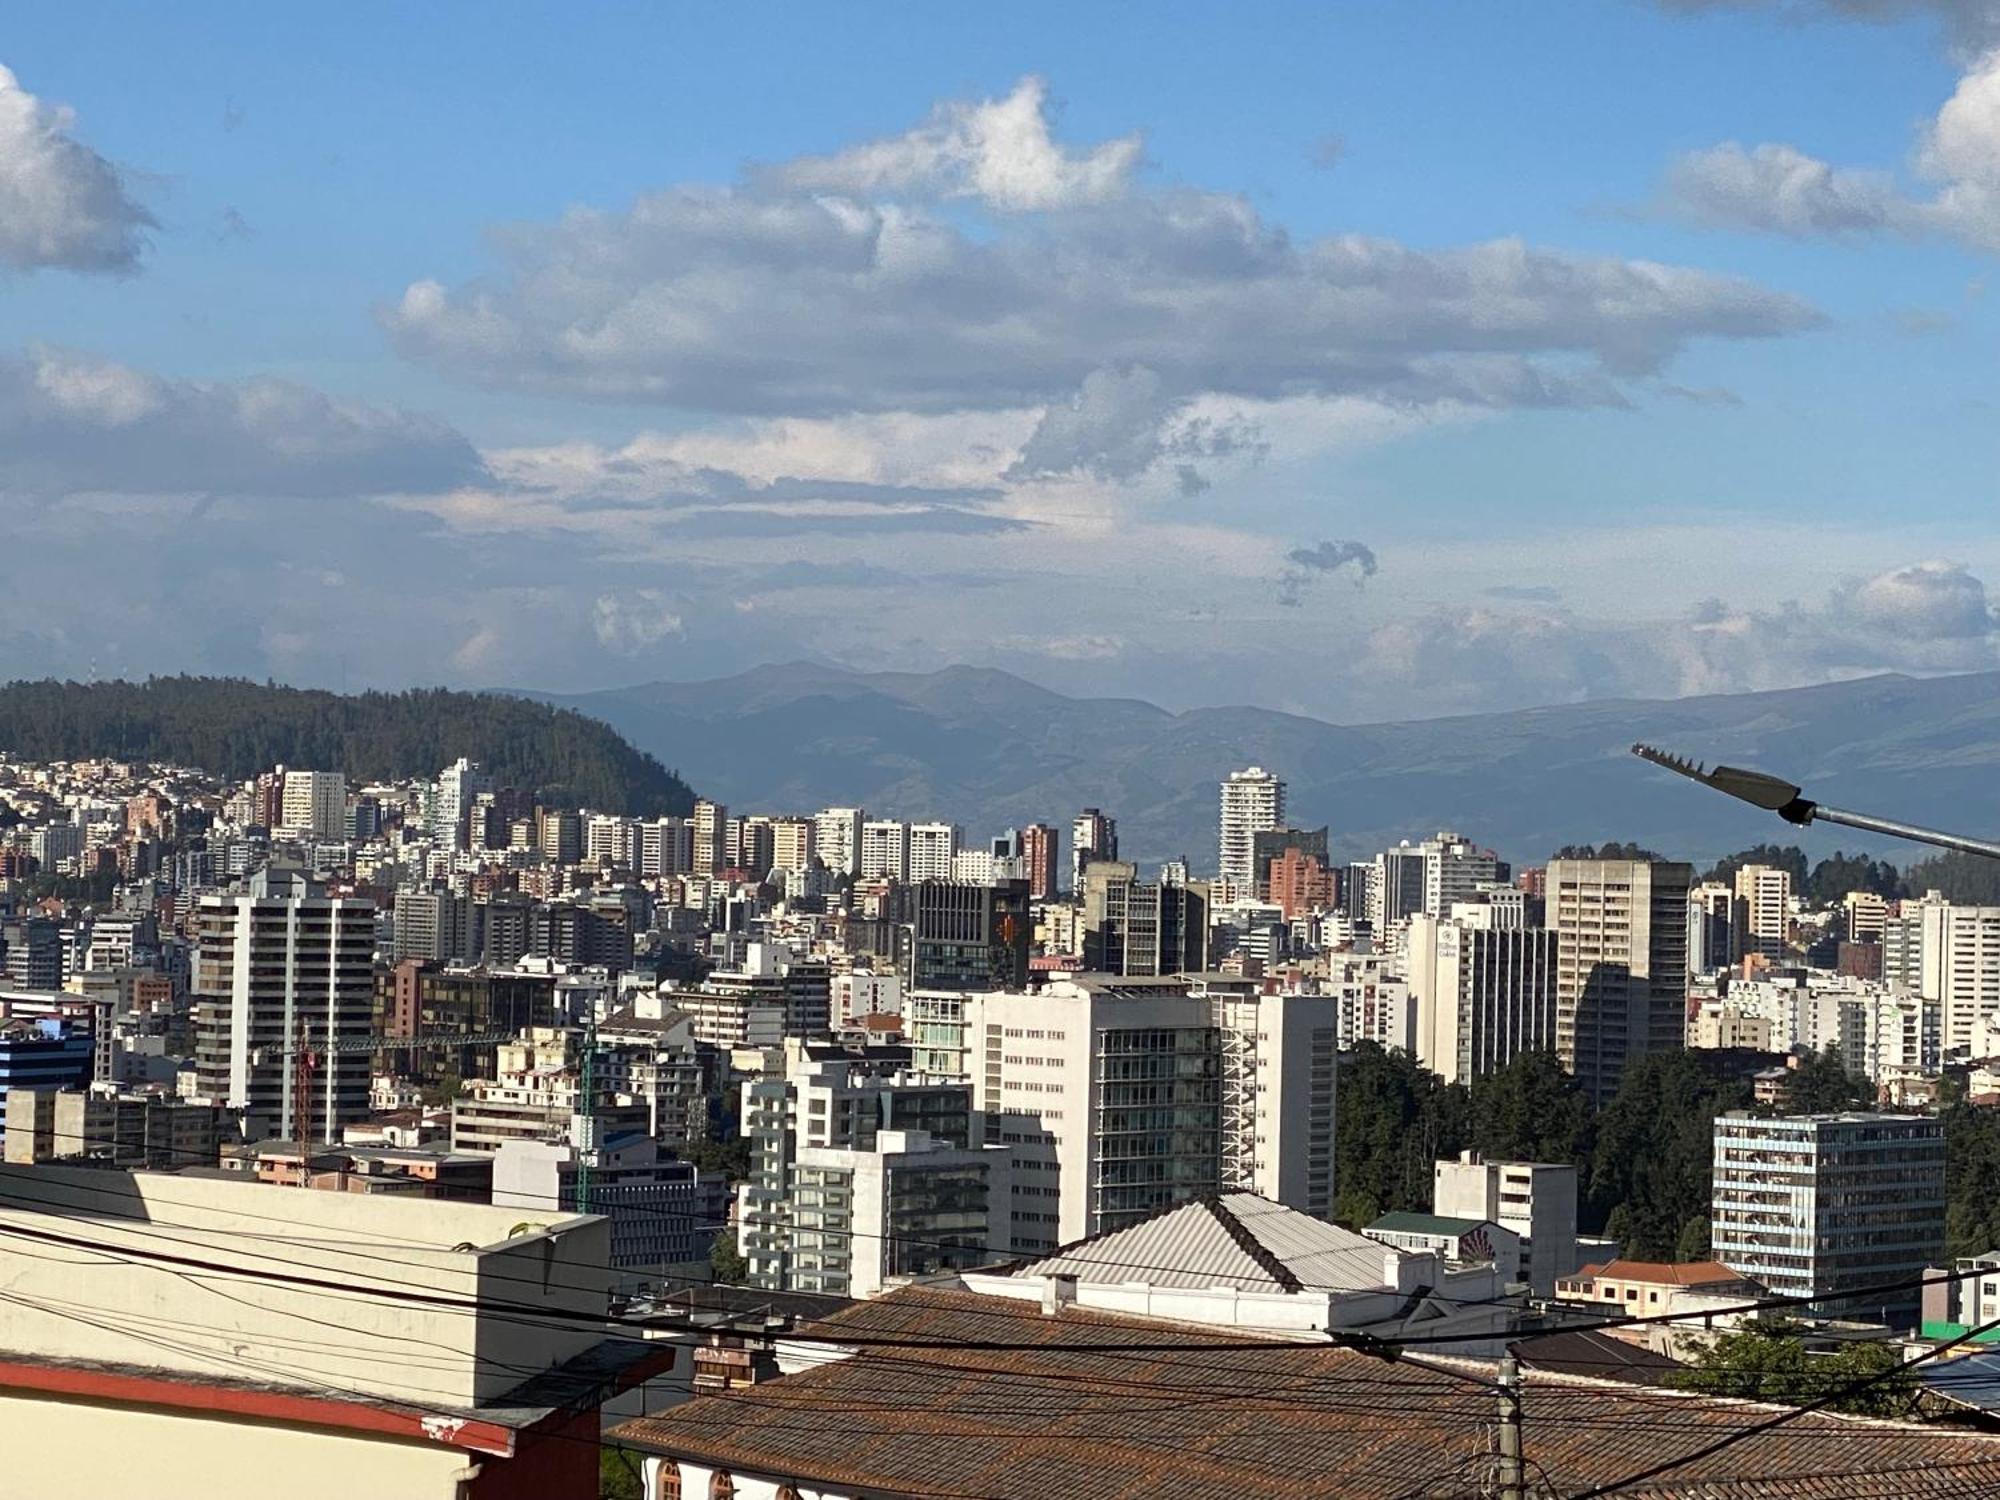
(990, 750)
(236, 728)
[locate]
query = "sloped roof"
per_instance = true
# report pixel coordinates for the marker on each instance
(1231, 1239)
(1586, 1351)
(1415, 1223)
(1108, 1407)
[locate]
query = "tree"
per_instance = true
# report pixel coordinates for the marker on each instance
(1787, 857)
(618, 1475)
(1531, 1110)
(731, 1157)
(1395, 1119)
(1969, 879)
(725, 1262)
(1971, 1178)
(1821, 1084)
(1693, 1243)
(1652, 1155)
(1769, 1362)
(1834, 877)
(1605, 851)
(446, 1089)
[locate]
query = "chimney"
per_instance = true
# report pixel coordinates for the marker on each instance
(1058, 1292)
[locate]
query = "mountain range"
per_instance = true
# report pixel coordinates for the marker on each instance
(989, 750)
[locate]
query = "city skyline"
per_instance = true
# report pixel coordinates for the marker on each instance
(474, 379)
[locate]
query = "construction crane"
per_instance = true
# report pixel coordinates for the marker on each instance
(302, 1062)
(1774, 794)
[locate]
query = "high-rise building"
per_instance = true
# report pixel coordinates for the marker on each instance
(837, 838)
(1864, 916)
(1253, 802)
(1764, 907)
(967, 935)
(316, 803)
(458, 786)
(1139, 929)
(1275, 843)
(1109, 1090)
(1621, 963)
(1280, 1064)
(1430, 877)
(1959, 967)
(666, 846)
(1823, 1206)
(933, 846)
(1094, 835)
(1712, 928)
(885, 849)
(710, 837)
(561, 835)
(1485, 994)
(792, 844)
(282, 978)
(1299, 884)
(1038, 847)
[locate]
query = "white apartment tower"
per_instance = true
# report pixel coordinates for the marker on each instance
(458, 786)
(885, 849)
(932, 848)
(1093, 836)
(316, 802)
(1960, 967)
(1484, 993)
(1280, 1061)
(280, 982)
(1253, 802)
(837, 838)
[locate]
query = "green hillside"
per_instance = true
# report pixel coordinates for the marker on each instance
(237, 728)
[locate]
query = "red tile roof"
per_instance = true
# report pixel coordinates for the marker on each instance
(1073, 1416)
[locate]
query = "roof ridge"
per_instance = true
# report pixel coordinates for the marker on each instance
(1256, 1249)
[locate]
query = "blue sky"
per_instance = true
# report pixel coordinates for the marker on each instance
(1644, 349)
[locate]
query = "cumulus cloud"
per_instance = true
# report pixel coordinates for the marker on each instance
(634, 621)
(70, 423)
(1776, 188)
(829, 287)
(999, 151)
(62, 206)
(1307, 565)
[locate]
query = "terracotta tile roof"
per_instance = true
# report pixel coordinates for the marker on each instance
(1663, 1273)
(1075, 1417)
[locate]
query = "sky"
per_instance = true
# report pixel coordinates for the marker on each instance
(1365, 361)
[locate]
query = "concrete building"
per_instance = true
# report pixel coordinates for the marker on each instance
(1712, 934)
(1764, 907)
(43, 1053)
(885, 849)
(284, 986)
(1959, 967)
(837, 838)
(1094, 835)
(1111, 1091)
(967, 936)
(287, 1363)
(1621, 963)
(1864, 917)
(932, 848)
(664, 1214)
(458, 786)
(1826, 1206)
(1535, 1200)
(316, 803)
(99, 1124)
(1484, 995)
(1138, 929)
(710, 837)
(1280, 1065)
(1037, 844)
(792, 844)
(1253, 802)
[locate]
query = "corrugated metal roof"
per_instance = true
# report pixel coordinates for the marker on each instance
(1415, 1223)
(1233, 1239)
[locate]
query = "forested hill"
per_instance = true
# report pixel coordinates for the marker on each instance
(238, 728)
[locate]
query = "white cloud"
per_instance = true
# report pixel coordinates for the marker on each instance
(71, 423)
(1972, 25)
(1781, 189)
(1096, 310)
(634, 621)
(62, 206)
(999, 151)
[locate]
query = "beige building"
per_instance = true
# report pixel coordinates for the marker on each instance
(1764, 909)
(1621, 963)
(196, 1339)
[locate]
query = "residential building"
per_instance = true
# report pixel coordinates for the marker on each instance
(932, 848)
(284, 988)
(1484, 994)
(43, 1053)
(966, 936)
(1275, 843)
(316, 803)
(837, 838)
(1280, 1063)
(1959, 967)
(289, 1365)
(663, 1212)
(458, 786)
(124, 1130)
(1037, 845)
(1864, 917)
(1536, 1201)
(792, 844)
(1621, 963)
(561, 835)
(1298, 883)
(1138, 929)
(1847, 1209)
(1253, 802)
(1712, 932)
(710, 837)
(1112, 1092)
(885, 849)
(1094, 835)
(1764, 905)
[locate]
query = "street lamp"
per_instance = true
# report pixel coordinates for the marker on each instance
(1774, 794)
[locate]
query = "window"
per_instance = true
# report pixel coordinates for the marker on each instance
(721, 1486)
(670, 1481)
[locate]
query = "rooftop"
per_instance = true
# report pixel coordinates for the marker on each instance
(1077, 1411)
(1229, 1239)
(1662, 1273)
